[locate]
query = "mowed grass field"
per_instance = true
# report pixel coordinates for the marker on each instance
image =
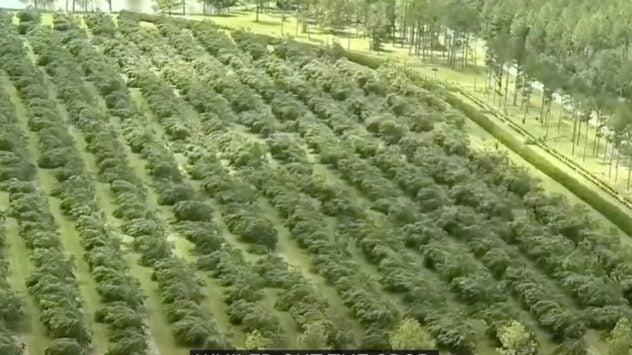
(286, 152)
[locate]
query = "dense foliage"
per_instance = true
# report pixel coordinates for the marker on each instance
(342, 193)
(13, 166)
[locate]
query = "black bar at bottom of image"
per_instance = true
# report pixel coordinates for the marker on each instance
(314, 352)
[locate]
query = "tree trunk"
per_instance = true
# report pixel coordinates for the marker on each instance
(559, 118)
(506, 89)
(517, 87)
(542, 106)
(445, 41)
(547, 116)
(596, 141)
(579, 131)
(629, 171)
(611, 160)
(454, 49)
(586, 139)
(412, 40)
(574, 132)
(465, 50)
(258, 4)
(616, 168)
(433, 37)
(488, 79)
(282, 23)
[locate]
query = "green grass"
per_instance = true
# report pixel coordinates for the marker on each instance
(159, 329)
(34, 333)
(593, 198)
(158, 326)
(69, 236)
(472, 80)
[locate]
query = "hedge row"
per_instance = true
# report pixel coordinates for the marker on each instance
(13, 162)
(614, 212)
(181, 295)
(309, 310)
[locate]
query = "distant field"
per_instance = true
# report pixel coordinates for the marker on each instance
(176, 186)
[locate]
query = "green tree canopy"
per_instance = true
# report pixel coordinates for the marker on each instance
(410, 335)
(620, 340)
(516, 339)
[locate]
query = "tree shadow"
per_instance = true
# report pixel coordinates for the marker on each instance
(266, 23)
(224, 14)
(312, 39)
(470, 69)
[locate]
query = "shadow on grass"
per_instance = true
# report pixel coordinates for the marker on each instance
(266, 23)
(223, 14)
(477, 70)
(315, 40)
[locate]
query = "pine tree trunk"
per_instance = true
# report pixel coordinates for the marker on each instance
(403, 35)
(616, 169)
(412, 40)
(447, 43)
(517, 87)
(506, 89)
(548, 115)
(419, 43)
(573, 140)
(559, 118)
(586, 139)
(611, 160)
(466, 49)
(542, 106)
(257, 11)
(596, 142)
(629, 171)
